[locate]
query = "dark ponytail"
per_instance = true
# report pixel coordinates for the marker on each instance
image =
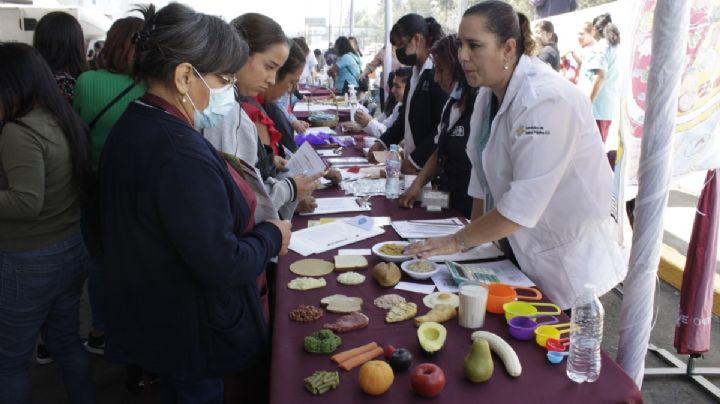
(527, 44)
(411, 24)
(502, 21)
(612, 34)
(604, 28)
(434, 31)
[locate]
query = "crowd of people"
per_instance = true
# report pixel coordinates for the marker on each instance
(158, 175)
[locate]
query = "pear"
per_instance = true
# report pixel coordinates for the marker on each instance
(478, 363)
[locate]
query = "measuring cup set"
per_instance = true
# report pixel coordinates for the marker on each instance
(523, 318)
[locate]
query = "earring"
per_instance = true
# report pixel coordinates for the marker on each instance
(184, 99)
(505, 66)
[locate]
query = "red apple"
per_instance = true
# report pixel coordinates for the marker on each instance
(427, 380)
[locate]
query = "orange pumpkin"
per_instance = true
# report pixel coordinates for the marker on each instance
(375, 377)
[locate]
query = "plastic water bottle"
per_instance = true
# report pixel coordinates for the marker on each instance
(392, 169)
(586, 328)
(353, 101)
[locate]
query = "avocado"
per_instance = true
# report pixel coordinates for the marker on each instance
(431, 336)
(479, 363)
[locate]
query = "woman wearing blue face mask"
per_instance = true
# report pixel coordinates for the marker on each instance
(181, 248)
(424, 99)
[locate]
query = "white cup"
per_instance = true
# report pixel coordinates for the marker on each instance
(473, 300)
(369, 141)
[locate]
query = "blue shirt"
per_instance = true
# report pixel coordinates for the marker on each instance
(603, 57)
(348, 70)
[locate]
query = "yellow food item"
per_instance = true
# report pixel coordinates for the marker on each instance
(401, 312)
(431, 336)
(392, 249)
(439, 314)
(386, 274)
(375, 377)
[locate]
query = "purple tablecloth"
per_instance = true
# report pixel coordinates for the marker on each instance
(540, 382)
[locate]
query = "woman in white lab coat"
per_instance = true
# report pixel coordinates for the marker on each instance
(539, 171)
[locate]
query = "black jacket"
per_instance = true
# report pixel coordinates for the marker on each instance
(180, 269)
(425, 109)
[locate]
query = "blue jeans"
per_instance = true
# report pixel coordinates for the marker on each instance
(40, 292)
(96, 293)
(203, 391)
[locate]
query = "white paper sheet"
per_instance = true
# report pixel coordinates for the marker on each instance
(329, 236)
(319, 129)
(326, 152)
(416, 287)
(483, 251)
(312, 107)
(337, 205)
(354, 251)
(427, 228)
(444, 281)
(305, 160)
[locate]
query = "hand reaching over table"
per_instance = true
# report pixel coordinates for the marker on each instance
(434, 246)
(300, 126)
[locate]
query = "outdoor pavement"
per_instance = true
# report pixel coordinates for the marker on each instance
(109, 378)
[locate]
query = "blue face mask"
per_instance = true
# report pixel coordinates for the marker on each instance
(221, 102)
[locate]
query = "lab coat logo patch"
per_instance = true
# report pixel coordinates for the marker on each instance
(531, 130)
(459, 131)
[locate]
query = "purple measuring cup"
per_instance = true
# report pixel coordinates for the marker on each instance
(523, 327)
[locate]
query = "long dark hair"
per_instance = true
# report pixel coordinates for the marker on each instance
(118, 52)
(260, 31)
(295, 60)
(177, 34)
(445, 52)
(548, 27)
(26, 83)
(343, 46)
(59, 39)
(411, 24)
(502, 21)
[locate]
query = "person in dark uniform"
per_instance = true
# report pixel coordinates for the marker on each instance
(449, 166)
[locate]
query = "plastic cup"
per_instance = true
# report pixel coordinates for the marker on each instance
(473, 299)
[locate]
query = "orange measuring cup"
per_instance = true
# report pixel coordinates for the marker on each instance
(500, 293)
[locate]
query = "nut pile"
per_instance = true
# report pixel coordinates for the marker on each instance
(305, 313)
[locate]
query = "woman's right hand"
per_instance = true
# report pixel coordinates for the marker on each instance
(408, 198)
(306, 184)
(285, 228)
(377, 146)
(363, 118)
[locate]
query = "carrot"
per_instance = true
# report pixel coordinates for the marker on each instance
(358, 360)
(345, 355)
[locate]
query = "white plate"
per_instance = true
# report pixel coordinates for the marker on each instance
(405, 266)
(391, 258)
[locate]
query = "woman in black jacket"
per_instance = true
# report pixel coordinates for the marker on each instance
(449, 163)
(182, 250)
(413, 36)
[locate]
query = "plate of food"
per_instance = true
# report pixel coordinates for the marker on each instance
(391, 251)
(419, 269)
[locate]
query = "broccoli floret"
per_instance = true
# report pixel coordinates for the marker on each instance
(322, 342)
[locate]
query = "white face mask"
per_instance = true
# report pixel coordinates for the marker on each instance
(220, 103)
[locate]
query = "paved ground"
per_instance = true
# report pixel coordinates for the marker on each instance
(656, 390)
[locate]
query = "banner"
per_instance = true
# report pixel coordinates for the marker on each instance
(696, 141)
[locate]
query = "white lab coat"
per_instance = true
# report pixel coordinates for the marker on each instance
(547, 171)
